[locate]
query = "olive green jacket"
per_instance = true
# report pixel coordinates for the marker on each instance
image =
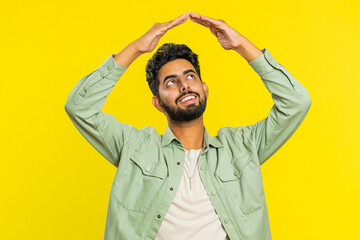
(150, 165)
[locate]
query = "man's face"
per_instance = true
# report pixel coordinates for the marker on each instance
(179, 79)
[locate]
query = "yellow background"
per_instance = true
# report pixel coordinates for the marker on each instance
(55, 185)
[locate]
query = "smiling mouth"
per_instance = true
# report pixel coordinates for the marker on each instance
(192, 100)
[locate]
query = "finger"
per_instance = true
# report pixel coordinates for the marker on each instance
(206, 24)
(172, 24)
(205, 19)
(181, 18)
(177, 21)
(200, 21)
(185, 15)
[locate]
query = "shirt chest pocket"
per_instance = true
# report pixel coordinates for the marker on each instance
(242, 181)
(137, 186)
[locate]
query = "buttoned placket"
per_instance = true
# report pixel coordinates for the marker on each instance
(177, 153)
(212, 192)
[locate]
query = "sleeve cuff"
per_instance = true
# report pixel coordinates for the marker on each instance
(264, 63)
(112, 69)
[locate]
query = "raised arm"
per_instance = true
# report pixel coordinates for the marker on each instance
(291, 99)
(291, 104)
(85, 102)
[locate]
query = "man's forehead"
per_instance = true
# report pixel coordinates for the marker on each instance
(175, 66)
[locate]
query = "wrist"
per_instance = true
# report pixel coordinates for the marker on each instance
(126, 56)
(248, 50)
(242, 44)
(134, 48)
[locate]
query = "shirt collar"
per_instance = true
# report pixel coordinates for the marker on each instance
(169, 136)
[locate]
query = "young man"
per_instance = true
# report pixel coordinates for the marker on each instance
(186, 184)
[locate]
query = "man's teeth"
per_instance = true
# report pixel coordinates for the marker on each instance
(187, 98)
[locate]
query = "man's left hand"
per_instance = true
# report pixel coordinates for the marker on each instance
(228, 37)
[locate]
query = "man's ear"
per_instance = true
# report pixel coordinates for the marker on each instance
(157, 103)
(206, 90)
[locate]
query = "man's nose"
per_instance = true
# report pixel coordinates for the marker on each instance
(184, 85)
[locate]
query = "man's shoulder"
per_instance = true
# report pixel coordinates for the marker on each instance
(148, 130)
(227, 131)
(145, 132)
(146, 144)
(235, 136)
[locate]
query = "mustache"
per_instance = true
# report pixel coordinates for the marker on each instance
(187, 94)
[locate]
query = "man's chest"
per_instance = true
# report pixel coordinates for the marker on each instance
(152, 174)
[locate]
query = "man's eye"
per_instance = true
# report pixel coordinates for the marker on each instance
(168, 82)
(192, 75)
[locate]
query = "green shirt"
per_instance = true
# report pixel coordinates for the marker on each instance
(150, 165)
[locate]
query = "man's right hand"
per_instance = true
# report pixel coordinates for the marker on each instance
(148, 41)
(151, 38)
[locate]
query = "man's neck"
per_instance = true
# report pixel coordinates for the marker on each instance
(191, 133)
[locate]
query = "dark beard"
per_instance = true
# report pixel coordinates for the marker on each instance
(184, 115)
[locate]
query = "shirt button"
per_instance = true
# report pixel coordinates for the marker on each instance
(213, 192)
(147, 168)
(202, 167)
(171, 189)
(109, 67)
(158, 216)
(236, 173)
(178, 163)
(226, 220)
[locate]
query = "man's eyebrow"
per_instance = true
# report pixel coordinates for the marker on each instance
(174, 75)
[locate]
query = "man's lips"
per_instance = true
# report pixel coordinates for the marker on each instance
(188, 101)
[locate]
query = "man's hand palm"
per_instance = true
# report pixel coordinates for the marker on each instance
(151, 38)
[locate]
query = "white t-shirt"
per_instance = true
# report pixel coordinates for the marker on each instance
(191, 215)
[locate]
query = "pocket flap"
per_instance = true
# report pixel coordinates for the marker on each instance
(148, 167)
(232, 171)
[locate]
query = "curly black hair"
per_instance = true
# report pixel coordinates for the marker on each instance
(164, 54)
